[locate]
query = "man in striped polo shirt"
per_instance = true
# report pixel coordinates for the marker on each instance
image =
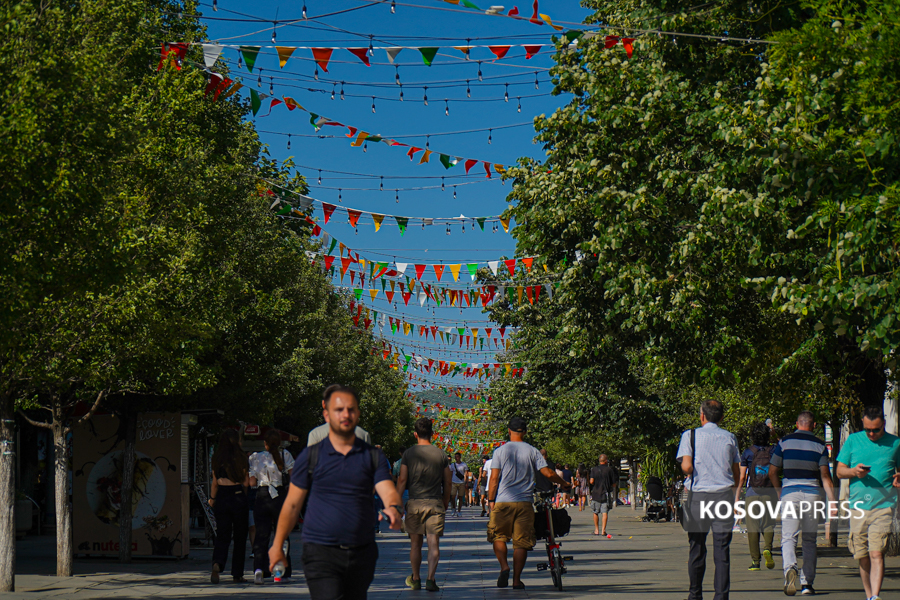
(803, 458)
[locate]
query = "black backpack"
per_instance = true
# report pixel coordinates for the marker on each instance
(758, 472)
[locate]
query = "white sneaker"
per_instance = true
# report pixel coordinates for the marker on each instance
(258, 577)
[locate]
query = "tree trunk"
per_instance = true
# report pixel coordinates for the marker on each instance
(128, 462)
(64, 540)
(7, 497)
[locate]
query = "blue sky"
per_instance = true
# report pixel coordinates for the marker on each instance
(417, 23)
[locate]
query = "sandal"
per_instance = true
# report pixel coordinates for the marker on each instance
(503, 580)
(519, 586)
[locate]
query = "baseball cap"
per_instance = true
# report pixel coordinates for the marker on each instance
(518, 424)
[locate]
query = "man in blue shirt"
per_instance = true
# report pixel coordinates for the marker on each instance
(804, 460)
(339, 550)
(713, 472)
(870, 460)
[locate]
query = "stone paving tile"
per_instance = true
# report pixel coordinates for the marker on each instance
(643, 560)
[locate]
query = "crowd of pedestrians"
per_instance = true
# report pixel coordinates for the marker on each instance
(787, 479)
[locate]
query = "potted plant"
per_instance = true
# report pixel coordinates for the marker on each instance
(24, 514)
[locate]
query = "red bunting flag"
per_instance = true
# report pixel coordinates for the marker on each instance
(469, 164)
(513, 11)
(611, 40)
(353, 216)
(628, 44)
(531, 51)
(499, 51)
(529, 295)
(420, 270)
(487, 169)
(322, 56)
(327, 209)
(328, 261)
(534, 17)
(537, 292)
(362, 54)
(438, 270)
(345, 264)
(412, 151)
(511, 265)
(527, 262)
(178, 49)
(502, 331)
(406, 297)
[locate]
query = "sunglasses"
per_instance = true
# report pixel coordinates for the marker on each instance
(874, 430)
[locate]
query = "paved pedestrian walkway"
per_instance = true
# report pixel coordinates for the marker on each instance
(643, 560)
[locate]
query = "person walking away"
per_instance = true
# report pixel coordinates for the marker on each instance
(458, 470)
(803, 459)
(581, 479)
(760, 495)
(870, 460)
(604, 486)
(337, 476)
(510, 494)
(425, 472)
(270, 473)
(230, 505)
(569, 478)
(470, 488)
(710, 459)
(485, 478)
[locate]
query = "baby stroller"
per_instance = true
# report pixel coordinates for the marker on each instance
(656, 501)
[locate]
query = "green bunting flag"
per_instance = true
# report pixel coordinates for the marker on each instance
(473, 268)
(312, 119)
(255, 101)
(447, 161)
(358, 293)
(428, 54)
(511, 293)
(333, 244)
(480, 221)
(468, 4)
(249, 53)
(401, 223)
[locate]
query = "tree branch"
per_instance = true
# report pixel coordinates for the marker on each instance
(34, 423)
(90, 413)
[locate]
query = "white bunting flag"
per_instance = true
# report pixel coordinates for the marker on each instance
(493, 265)
(211, 54)
(401, 267)
(392, 53)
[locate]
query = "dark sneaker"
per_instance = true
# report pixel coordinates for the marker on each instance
(791, 582)
(770, 562)
(503, 580)
(754, 566)
(415, 584)
(214, 576)
(431, 586)
(807, 591)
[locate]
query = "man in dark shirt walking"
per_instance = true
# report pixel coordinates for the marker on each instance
(338, 474)
(426, 471)
(604, 490)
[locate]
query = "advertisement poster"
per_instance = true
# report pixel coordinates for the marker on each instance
(159, 503)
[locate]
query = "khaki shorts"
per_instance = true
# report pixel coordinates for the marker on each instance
(512, 521)
(457, 490)
(869, 533)
(425, 517)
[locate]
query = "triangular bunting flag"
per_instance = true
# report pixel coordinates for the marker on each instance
(284, 53)
(255, 101)
(493, 264)
(249, 53)
(499, 51)
(439, 271)
(401, 268)
(628, 44)
(448, 161)
(373, 293)
(211, 54)
(505, 223)
(392, 53)
(401, 223)
(511, 265)
(377, 219)
(362, 54)
(420, 270)
(428, 55)
(469, 164)
(473, 269)
(322, 56)
(454, 269)
(328, 209)
(531, 51)
(527, 262)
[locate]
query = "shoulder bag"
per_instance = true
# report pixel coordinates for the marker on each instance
(687, 517)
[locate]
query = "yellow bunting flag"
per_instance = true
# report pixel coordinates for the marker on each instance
(292, 104)
(549, 22)
(505, 223)
(519, 293)
(284, 53)
(406, 328)
(373, 293)
(425, 157)
(360, 139)
(500, 168)
(377, 219)
(455, 270)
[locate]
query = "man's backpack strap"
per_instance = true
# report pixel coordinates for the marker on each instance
(374, 452)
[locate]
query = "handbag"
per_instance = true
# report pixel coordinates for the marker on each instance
(687, 517)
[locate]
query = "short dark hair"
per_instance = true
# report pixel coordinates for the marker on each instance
(713, 410)
(335, 388)
(457, 454)
(759, 434)
(873, 413)
(423, 428)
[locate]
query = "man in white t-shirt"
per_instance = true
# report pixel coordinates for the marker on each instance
(458, 470)
(484, 479)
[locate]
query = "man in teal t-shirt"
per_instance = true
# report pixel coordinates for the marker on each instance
(870, 460)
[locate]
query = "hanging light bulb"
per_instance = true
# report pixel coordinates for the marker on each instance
(401, 93)
(468, 90)
(397, 74)
(381, 185)
(442, 184)
(480, 78)
(303, 11)
(448, 228)
(271, 85)
(240, 63)
(366, 146)
(340, 199)
(536, 86)
(274, 25)
(215, 5)
(490, 136)
(446, 108)
(373, 104)
(371, 48)
(289, 142)
(464, 227)
(519, 100)
(423, 224)
(259, 79)
(506, 94)
(393, 7)
(454, 192)
(425, 97)
(320, 176)
(427, 138)
(333, 86)
(342, 90)
(397, 196)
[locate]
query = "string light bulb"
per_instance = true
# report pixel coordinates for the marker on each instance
(506, 94)
(340, 197)
(320, 176)
(342, 90)
(536, 86)
(271, 85)
(366, 146)
(397, 74)
(490, 135)
(393, 7)
(454, 192)
(427, 139)
(240, 62)
(442, 184)
(425, 95)
(397, 196)
(448, 228)
(259, 79)
(480, 78)
(303, 10)
(401, 93)
(468, 90)
(373, 105)
(216, 5)
(381, 185)
(289, 142)
(371, 48)
(274, 25)
(316, 74)
(519, 100)
(446, 108)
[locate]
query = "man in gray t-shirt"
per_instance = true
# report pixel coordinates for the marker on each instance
(513, 469)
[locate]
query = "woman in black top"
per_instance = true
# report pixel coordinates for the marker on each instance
(230, 505)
